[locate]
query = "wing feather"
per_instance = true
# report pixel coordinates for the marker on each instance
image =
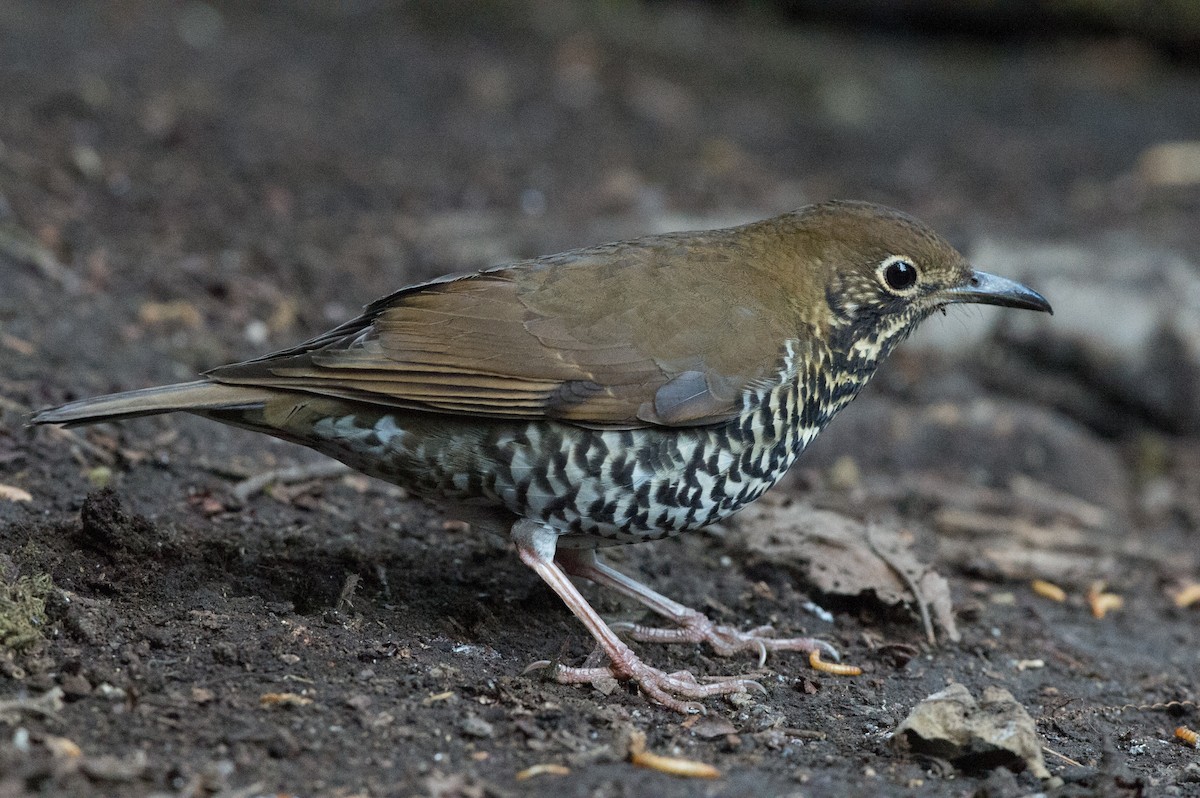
(531, 341)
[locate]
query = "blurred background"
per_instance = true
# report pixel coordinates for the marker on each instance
(188, 184)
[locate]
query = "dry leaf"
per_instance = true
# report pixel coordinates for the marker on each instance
(840, 556)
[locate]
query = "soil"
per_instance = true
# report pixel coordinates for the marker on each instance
(185, 185)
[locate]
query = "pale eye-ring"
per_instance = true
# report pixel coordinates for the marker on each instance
(898, 274)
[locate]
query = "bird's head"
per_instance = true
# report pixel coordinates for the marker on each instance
(883, 272)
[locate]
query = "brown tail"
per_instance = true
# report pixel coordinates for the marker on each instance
(196, 396)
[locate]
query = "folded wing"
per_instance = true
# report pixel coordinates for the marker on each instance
(579, 339)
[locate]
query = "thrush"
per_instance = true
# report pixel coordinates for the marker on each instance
(614, 394)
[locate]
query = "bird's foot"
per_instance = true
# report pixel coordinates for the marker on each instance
(696, 627)
(536, 546)
(692, 626)
(668, 689)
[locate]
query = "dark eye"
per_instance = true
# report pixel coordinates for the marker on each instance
(899, 274)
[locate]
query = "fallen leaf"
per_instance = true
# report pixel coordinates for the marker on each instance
(710, 726)
(843, 557)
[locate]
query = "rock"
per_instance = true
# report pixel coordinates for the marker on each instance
(117, 769)
(1126, 320)
(993, 732)
(75, 686)
(475, 726)
(982, 440)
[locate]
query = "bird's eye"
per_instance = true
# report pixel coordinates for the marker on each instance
(898, 273)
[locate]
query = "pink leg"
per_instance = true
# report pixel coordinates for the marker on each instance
(694, 626)
(536, 546)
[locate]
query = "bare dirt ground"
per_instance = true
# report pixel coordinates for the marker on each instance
(187, 185)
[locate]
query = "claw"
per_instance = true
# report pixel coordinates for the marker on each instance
(724, 640)
(749, 684)
(665, 688)
(828, 649)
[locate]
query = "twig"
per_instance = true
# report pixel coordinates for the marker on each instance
(48, 704)
(1063, 757)
(75, 439)
(22, 246)
(345, 599)
(14, 406)
(922, 605)
(288, 476)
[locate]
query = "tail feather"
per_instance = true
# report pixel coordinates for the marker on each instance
(193, 397)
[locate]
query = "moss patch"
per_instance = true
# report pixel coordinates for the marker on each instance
(23, 611)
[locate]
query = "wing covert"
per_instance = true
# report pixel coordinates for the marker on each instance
(516, 342)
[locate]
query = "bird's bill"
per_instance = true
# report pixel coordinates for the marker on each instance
(991, 289)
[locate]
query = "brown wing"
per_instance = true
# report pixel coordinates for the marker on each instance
(628, 335)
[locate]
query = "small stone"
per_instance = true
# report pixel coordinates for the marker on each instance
(75, 686)
(358, 701)
(475, 726)
(711, 726)
(115, 769)
(974, 735)
(87, 160)
(100, 477)
(106, 690)
(225, 654)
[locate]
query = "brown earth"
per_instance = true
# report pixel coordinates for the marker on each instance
(186, 185)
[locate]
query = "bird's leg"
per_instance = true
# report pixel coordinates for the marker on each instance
(536, 546)
(693, 625)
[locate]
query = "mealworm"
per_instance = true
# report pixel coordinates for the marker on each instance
(832, 668)
(1048, 590)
